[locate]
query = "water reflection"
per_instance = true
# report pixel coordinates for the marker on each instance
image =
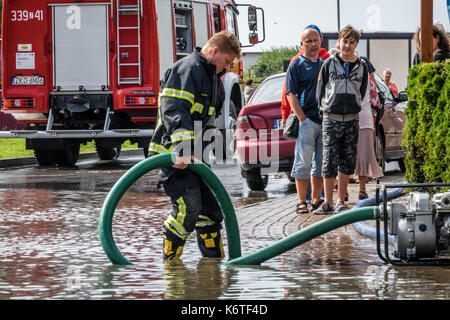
(49, 248)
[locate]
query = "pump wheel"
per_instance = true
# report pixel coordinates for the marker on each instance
(105, 153)
(69, 155)
(44, 157)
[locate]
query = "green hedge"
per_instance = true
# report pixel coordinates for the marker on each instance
(426, 136)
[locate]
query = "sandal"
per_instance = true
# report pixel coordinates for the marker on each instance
(362, 195)
(302, 207)
(316, 205)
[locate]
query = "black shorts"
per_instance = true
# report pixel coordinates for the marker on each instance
(340, 142)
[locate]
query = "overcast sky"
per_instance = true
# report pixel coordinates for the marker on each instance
(285, 19)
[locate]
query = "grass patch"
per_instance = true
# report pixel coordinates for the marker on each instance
(15, 148)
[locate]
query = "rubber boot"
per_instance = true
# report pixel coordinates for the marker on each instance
(173, 246)
(210, 242)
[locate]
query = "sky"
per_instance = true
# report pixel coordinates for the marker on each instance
(285, 19)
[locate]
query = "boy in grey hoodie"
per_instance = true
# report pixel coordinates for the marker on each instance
(341, 87)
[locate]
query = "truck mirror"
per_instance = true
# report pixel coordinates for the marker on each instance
(253, 38)
(252, 19)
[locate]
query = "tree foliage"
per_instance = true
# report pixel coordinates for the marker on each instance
(272, 62)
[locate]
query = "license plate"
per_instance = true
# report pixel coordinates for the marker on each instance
(27, 81)
(277, 124)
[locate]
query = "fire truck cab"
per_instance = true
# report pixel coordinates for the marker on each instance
(77, 71)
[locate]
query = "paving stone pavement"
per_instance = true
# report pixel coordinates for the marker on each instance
(276, 218)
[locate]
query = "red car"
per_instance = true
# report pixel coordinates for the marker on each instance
(262, 150)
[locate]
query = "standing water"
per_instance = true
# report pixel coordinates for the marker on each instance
(50, 249)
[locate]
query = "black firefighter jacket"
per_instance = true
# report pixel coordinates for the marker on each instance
(191, 91)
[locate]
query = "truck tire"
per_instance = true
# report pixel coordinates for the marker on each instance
(44, 157)
(105, 153)
(68, 156)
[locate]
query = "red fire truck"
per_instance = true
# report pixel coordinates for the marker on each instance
(77, 71)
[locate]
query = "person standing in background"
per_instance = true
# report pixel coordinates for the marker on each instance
(323, 54)
(342, 84)
(366, 163)
(248, 90)
(387, 74)
(441, 45)
(301, 83)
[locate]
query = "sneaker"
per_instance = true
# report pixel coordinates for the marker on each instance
(325, 208)
(341, 207)
(315, 206)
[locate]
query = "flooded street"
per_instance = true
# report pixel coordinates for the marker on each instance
(50, 249)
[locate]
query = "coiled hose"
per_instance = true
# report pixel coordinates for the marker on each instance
(140, 169)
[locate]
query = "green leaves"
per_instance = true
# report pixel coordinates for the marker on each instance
(272, 62)
(426, 136)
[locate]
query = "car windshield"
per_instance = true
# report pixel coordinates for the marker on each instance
(383, 88)
(270, 90)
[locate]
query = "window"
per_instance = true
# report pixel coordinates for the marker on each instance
(383, 88)
(217, 24)
(231, 22)
(269, 91)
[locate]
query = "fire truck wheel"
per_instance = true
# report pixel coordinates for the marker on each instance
(105, 153)
(68, 156)
(44, 157)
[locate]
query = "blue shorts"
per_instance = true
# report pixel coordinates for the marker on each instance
(308, 151)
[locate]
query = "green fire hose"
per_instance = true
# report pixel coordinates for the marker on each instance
(231, 225)
(140, 169)
(307, 234)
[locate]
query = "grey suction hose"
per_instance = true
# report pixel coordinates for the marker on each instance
(367, 229)
(307, 234)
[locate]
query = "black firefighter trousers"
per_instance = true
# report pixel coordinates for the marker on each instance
(193, 207)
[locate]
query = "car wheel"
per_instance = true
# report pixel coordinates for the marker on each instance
(379, 152)
(256, 182)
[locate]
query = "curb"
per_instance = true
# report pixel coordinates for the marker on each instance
(28, 161)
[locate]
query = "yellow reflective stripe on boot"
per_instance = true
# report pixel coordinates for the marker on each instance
(182, 135)
(209, 242)
(168, 249)
(180, 94)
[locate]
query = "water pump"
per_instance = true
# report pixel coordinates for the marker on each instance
(421, 228)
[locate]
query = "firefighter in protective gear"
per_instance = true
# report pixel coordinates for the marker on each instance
(191, 96)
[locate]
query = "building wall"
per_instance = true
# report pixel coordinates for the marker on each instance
(250, 58)
(392, 54)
